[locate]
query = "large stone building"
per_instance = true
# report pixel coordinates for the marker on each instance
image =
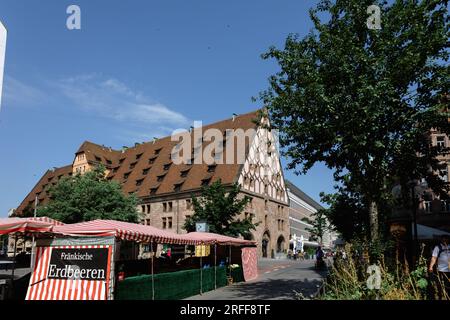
(302, 206)
(433, 211)
(246, 154)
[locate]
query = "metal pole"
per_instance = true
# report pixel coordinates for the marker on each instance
(201, 272)
(14, 257)
(33, 244)
(215, 265)
(153, 276)
(414, 211)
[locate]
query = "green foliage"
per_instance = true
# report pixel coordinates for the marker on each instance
(88, 197)
(348, 279)
(319, 223)
(219, 207)
(363, 101)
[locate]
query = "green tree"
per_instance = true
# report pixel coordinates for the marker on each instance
(363, 101)
(88, 197)
(219, 207)
(319, 224)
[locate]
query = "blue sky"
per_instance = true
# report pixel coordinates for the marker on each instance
(136, 69)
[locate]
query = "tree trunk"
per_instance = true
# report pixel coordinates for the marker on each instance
(373, 220)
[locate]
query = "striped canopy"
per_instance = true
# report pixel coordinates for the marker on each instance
(211, 238)
(27, 225)
(122, 230)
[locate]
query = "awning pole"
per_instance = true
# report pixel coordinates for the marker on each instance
(201, 272)
(153, 276)
(215, 266)
(14, 257)
(229, 260)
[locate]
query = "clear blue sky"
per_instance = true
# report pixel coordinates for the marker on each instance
(136, 69)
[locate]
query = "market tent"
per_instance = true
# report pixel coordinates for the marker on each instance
(27, 225)
(123, 230)
(211, 238)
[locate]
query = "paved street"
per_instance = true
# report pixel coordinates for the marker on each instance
(277, 280)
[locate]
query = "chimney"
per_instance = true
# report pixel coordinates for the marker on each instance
(234, 116)
(154, 140)
(190, 129)
(136, 144)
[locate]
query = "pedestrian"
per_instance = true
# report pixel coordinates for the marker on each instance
(440, 257)
(319, 257)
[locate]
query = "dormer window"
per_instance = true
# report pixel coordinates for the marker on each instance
(114, 170)
(98, 159)
(157, 151)
(126, 175)
(184, 173)
(121, 161)
(139, 182)
(151, 160)
(161, 177)
(206, 182)
(167, 166)
(145, 171)
(138, 156)
(177, 187)
(153, 190)
(132, 165)
(212, 168)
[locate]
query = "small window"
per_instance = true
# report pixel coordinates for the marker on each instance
(445, 205)
(184, 173)
(206, 182)
(145, 171)
(149, 208)
(126, 175)
(132, 165)
(212, 168)
(138, 156)
(114, 170)
(170, 206)
(167, 166)
(143, 209)
(440, 141)
(188, 204)
(161, 177)
(177, 187)
(108, 162)
(169, 222)
(427, 206)
(147, 222)
(157, 151)
(139, 182)
(153, 191)
(151, 160)
(164, 206)
(121, 160)
(98, 159)
(164, 224)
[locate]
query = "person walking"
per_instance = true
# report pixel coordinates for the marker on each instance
(440, 257)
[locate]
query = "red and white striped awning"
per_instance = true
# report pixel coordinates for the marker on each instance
(27, 225)
(211, 238)
(124, 231)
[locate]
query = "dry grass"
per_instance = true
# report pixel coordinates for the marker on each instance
(347, 281)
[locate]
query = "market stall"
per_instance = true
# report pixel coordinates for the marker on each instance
(78, 261)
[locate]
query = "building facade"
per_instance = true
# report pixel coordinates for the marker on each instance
(246, 155)
(433, 211)
(302, 206)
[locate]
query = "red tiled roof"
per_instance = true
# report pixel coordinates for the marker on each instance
(129, 164)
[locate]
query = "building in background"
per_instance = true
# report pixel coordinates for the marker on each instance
(303, 206)
(165, 188)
